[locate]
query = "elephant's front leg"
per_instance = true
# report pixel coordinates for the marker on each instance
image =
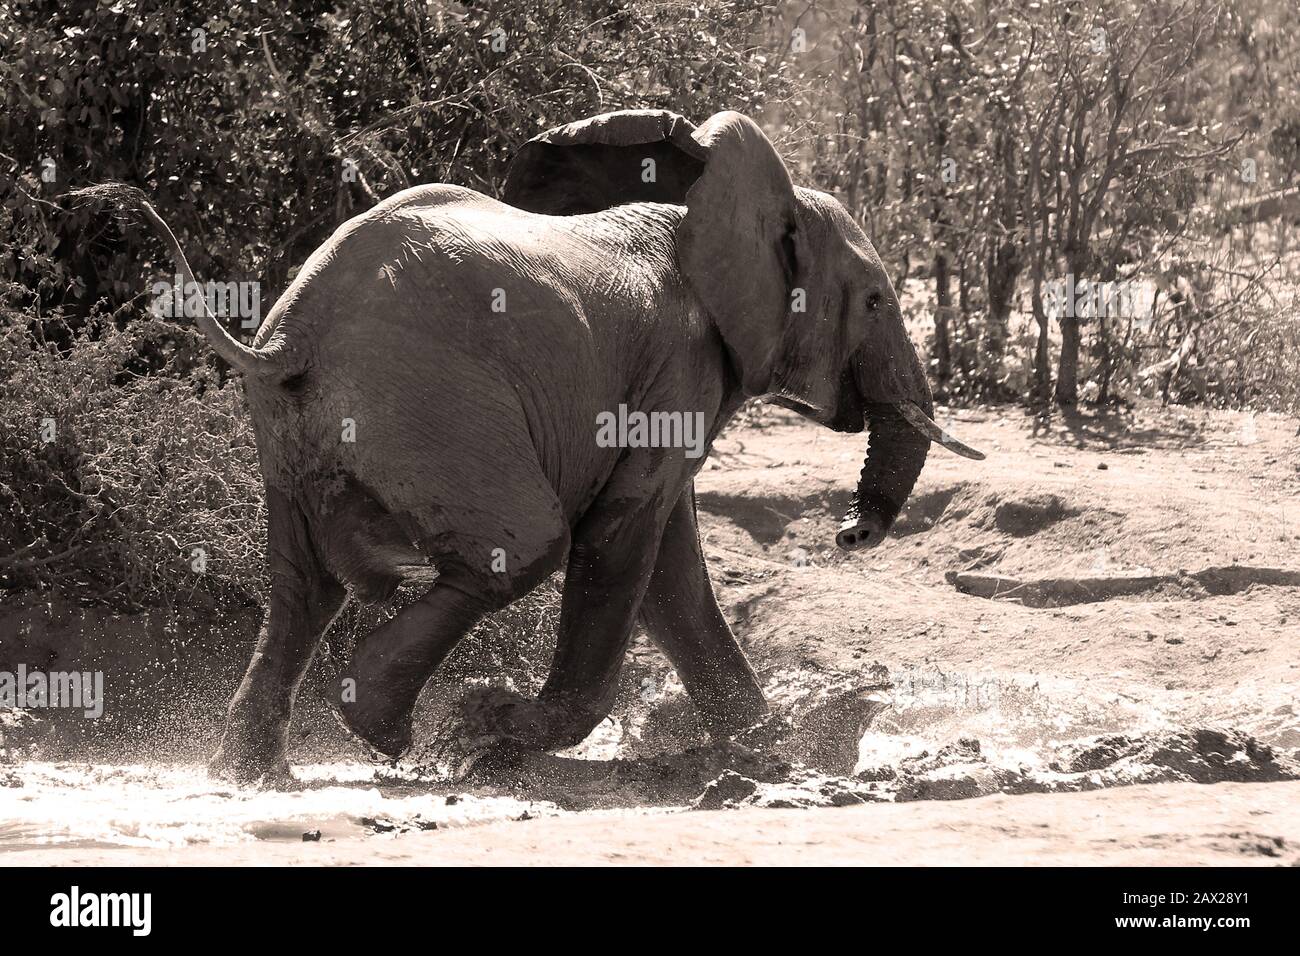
(609, 567)
(303, 601)
(681, 615)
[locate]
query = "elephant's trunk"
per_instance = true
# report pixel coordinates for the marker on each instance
(895, 456)
(898, 409)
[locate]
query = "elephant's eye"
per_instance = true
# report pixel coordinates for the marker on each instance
(873, 302)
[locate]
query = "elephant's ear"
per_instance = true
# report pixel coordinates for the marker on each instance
(736, 245)
(604, 161)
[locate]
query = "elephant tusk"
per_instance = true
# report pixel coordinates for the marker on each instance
(926, 426)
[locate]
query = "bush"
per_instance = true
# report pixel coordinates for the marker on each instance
(131, 487)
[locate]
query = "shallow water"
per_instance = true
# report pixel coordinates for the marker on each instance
(86, 805)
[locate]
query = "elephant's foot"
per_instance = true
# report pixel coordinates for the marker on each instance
(727, 716)
(246, 760)
(381, 732)
(768, 731)
(494, 717)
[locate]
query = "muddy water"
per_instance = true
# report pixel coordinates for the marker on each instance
(76, 806)
(836, 739)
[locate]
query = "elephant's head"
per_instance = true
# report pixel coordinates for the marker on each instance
(800, 298)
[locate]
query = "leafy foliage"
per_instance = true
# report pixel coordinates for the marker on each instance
(127, 487)
(257, 129)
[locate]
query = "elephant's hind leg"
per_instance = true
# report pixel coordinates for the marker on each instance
(381, 684)
(609, 566)
(304, 599)
(681, 615)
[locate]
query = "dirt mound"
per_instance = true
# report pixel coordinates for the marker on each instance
(1061, 592)
(980, 526)
(1205, 755)
(765, 517)
(924, 510)
(960, 771)
(1030, 515)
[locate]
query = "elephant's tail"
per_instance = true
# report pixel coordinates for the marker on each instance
(238, 354)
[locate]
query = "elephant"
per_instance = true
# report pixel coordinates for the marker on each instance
(428, 390)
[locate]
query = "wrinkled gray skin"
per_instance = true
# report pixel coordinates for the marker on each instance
(475, 429)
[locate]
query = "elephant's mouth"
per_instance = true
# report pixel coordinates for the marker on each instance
(846, 416)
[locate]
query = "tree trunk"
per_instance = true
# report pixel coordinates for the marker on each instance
(942, 316)
(968, 340)
(1067, 374)
(1042, 350)
(1103, 361)
(1003, 269)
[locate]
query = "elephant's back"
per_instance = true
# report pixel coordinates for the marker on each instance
(445, 320)
(441, 338)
